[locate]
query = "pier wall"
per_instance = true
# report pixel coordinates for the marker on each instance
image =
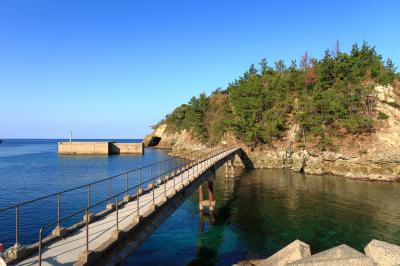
(126, 148)
(99, 148)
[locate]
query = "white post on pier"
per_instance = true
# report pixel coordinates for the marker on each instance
(70, 136)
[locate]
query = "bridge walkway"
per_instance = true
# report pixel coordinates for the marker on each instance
(67, 251)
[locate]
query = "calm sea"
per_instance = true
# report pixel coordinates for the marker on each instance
(258, 212)
(31, 168)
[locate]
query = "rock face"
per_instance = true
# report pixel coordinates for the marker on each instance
(376, 167)
(374, 156)
(160, 137)
(179, 142)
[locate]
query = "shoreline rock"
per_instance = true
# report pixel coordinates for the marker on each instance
(372, 157)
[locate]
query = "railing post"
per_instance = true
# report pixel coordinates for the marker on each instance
(137, 201)
(165, 188)
(188, 170)
(40, 246)
(116, 208)
(16, 226)
(88, 195)
(58, 209)
(174, 181)
(110, 192)
(181, 179)
(126, 184)
(87, 232)
(152, 183)
(140, 178)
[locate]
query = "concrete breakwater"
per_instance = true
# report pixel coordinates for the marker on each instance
(99, 148)
(298, 253)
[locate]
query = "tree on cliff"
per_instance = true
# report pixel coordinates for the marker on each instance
(326, 97)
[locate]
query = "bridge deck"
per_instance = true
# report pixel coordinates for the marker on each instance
(67, 251)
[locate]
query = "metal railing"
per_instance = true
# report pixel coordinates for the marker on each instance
(167, 169)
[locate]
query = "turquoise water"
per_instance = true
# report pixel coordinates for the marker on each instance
(258, 212)
(261, 211)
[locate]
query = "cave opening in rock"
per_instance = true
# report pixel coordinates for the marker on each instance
(154, 141)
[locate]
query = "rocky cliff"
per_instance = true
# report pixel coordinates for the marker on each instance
(374, 156)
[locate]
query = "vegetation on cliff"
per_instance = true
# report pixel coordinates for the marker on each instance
(326, 98)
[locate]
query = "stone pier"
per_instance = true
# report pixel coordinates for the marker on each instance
(99, 148)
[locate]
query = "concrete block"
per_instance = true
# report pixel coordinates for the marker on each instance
(365, 261)
(136, 219)
(90, 216)
(383, 253)
(162, 200)
(83, 148)
(116, 234)
(340, 255)
(171, 194)
(16, 252)
(292, 252)
(126, 148)
(59, 231)
(149, 211)
(110, 206)
(83, 258)
(127, 198)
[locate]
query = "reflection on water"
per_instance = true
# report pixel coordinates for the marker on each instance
(261, 211)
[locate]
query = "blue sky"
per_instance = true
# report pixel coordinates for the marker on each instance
(111, 69)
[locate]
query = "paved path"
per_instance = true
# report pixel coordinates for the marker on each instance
(67, 251)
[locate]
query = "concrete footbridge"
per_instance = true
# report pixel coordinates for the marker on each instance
(107, 237)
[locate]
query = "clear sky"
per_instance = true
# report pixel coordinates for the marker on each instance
(111, 69)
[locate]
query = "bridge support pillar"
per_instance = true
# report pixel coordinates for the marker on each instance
(210, 203)
(201, 197)
(211, 195)
(229, 169)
